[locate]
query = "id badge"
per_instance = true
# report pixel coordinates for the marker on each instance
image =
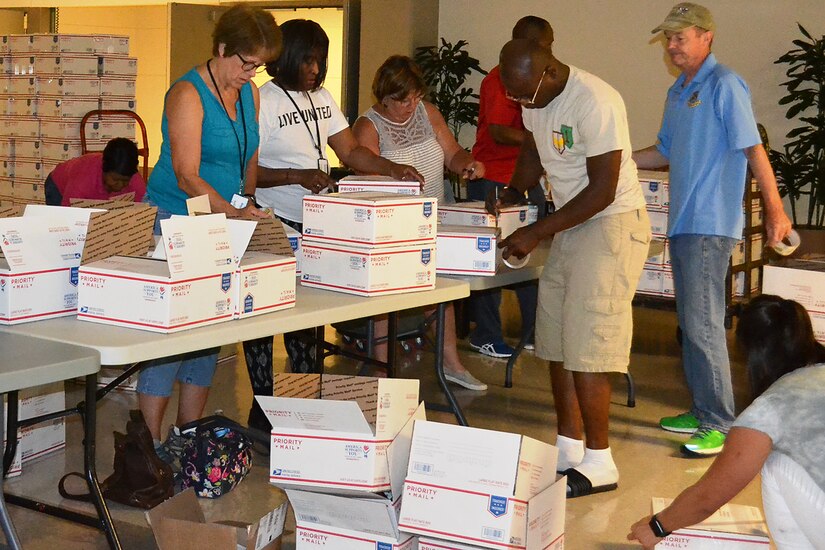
(323, 165)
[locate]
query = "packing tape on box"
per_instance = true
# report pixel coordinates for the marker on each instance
(786, 246)
(514, 263)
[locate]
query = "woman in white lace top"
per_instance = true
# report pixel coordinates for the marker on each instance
(405, 129)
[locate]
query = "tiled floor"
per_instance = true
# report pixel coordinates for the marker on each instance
(648, 458)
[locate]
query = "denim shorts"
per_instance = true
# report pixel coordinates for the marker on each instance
(157, 377)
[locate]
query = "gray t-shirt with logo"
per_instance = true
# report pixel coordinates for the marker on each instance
(792, 413)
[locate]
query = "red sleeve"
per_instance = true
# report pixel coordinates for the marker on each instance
(497, 108)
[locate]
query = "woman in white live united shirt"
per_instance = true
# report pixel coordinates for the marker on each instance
(298, 119)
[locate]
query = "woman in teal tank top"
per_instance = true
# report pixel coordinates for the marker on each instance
(210, 147)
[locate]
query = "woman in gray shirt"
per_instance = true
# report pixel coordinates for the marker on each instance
(782, 433)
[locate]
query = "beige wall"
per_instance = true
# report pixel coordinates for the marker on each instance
(613, 41)
(146, 27)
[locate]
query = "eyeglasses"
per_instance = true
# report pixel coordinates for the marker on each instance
(409, 100)
(250, 66)
(523, 100)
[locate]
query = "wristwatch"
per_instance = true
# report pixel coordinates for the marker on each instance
(656, 527)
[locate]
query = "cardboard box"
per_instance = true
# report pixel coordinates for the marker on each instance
(656, 190)
(6, 66)
(482, 487)
(7, 167)
(381, 184)
(803, 281)
(756, 246)
(47, 437)
(739, 282)
(25, 85)
(38, 271)
(19, 126)
(60, 150)
(6, 190)
(178, 523)
(191, 288)
(732, 527)
(659, 260)
(368, 271)
(17, 106)
(116, 66)
(658, 223)
(28, 191)
(114, 127)
(340, 523)
(112, 103)
(21, 43)
(264, 282)
(25, 64)
(425, 543)
(738, 255)
(107, 375)
(473, 213)
(21, 147)
(369, 218)
(111, 44)
(67, 64)
(122, 86)
(650, 282)
(68, 85)
(67, 128)
(28, 168)
(64, 43)
(331, 433)
(668, 290)
(74, 107)
(465, 250)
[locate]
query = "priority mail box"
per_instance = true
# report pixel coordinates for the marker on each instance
(739, 282)
(738, 255)
(483, 488)
(109, 65)
(25, 64)
(383, 184)
(18, 106)
(756, 247)
(264, 282)
(474, 213)
(294, 236)
(42, 439)
(29, 191)
(656, 189)
(116, 127)
(68, 85)
(63, 43)
(65, 107)
(38, 271)
(59, 149)
(28, 168)
(113, 103)
(111, 44)
(467, 250)
(25, 85)
(369, 218)
(650, 282)
(345, 523)
(27, 148)
(425, 543)
(67, 128)
(178, 523)
(658, 223)
(732, 527)
(331, 433)
(191, 288)
(67, 64)
(121, 86)
(368, 271)
(20, 43)
(802, 281)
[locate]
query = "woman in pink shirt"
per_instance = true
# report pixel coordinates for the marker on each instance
(97, 175)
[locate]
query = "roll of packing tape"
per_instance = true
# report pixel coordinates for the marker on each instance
(786, 246)
(514, 263)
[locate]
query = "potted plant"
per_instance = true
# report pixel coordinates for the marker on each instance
(800, 167)
(445, 69)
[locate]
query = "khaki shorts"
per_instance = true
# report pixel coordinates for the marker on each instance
(584, 316)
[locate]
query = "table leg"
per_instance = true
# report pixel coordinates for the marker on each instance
(89, 444)
(508, 373)
(11, 420)
(439, 365)
(8, 526)
(392, 340)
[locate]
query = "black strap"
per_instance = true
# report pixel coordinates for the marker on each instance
(241, 155)
(314, 115)
(87, 497)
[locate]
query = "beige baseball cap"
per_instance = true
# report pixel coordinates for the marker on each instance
(684, 15)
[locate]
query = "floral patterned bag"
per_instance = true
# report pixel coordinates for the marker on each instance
(217, 455)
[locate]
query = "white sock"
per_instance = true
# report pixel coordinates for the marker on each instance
(571, 452)
(598, 467)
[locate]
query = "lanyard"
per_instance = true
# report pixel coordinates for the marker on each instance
(241, 155)
(317, 143)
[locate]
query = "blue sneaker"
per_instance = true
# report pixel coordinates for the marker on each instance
(497, 349)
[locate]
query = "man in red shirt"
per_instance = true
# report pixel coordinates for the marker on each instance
(498, 138)
(97, 175)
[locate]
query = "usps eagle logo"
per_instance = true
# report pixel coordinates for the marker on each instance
(693, 100)
(563, 138)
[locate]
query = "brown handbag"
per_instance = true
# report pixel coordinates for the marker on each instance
(140, 478)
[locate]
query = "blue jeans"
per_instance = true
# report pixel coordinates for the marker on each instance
(157, 377)
(700, 265)
(484, 305)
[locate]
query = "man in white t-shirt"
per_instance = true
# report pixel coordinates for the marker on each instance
(577, 132)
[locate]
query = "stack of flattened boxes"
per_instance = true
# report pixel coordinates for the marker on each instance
(48, 82)
(657, 277)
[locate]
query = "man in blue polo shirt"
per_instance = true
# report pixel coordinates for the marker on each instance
(708, 138)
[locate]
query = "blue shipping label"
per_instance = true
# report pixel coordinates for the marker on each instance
(498, 505)
(383, 546)
(248, 304)
(426, 254)
(428, 209)
(522, 215)
(226, 281)
(483, 244)
(73, 276)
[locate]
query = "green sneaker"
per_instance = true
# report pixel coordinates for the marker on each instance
(705, 442)
(684, 423)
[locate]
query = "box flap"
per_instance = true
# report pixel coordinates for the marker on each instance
(314, 414)
(198, 205)
(306, 386)
(240, 231)
(32, 243)
(345, 514)
(464, 458)
(125, 230)
(269, 236)
(269, 528)
(196, 245)
(546, 515)
(178, 534)
(536, 467)
(120, 201)
(11, 210)
(362, 390)
(398, 453)
(469, 230)
(183, 510)
(397, 401)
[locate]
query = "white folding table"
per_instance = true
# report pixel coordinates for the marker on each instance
(29, 362)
